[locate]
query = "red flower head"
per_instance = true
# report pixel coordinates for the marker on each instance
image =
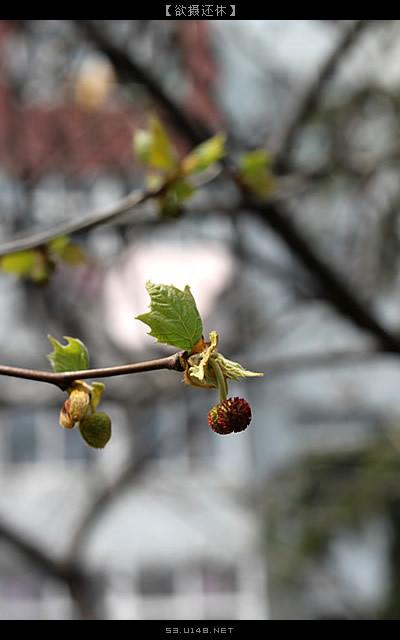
(233, 414)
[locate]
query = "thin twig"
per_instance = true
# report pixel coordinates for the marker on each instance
(311, 98)
(94, 219)
(273, 367)
(68, 572)
(64, 379)
(107, 494)
(334, 288)
(82, 223)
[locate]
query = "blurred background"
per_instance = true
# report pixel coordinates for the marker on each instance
(299, 516)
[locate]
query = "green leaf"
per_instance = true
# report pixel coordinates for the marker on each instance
(257, 159)
(20, 263)
(153, 146)
(205, 154)
(154, 181)
(255, 172)
(173, 317)
(58, 245)
(70, 357)
(73, 254)
(62, 248)
(171, 202)
(32, 264)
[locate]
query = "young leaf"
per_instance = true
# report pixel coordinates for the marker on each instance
(32, 263)
(70, 357)
(254, 172)
(173, 317)
(58, 245)
(154, 181)
(153, 146)
(234, 370)
(257, 159)
(205, 154)
(20, 263)
(171, 202)
(62, 248)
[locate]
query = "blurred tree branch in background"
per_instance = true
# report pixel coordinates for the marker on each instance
(307, 105)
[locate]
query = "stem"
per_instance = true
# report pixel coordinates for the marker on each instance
(64, 379)
(221, 382)
(90, 221)
(94, 219)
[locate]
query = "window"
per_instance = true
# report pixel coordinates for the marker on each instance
(31, 436)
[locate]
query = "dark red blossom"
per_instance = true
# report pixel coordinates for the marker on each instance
(233, 414)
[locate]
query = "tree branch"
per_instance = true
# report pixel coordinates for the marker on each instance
(308, 103)
(108, 494)
(335, 289)
(332, 286)
(128, 69)
(68, 572)
(94, 219)
(83, 223)
(64, 379)
(274, 367)
(40, 558)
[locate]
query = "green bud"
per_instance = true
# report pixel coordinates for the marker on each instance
(95, 429)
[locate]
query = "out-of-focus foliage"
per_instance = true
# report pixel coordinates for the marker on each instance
(154, 148)
(38, 264)
(325, 495)
(205, 154)
(255, 172)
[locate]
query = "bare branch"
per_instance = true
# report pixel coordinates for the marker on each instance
(274, 367)
(94, 219)
(310, 99)
(40, 558)
(68, 572)
(64, 379)
(83, 223)
(108, 494)
(332, 285)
